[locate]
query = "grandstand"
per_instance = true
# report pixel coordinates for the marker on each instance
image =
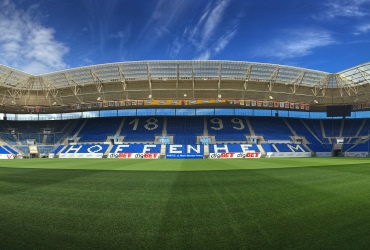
(184, 109)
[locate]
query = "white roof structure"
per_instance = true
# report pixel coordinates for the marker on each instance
(184, 79)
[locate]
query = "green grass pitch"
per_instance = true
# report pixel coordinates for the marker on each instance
(295, 203)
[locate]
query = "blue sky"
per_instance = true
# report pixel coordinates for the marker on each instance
(49, 35)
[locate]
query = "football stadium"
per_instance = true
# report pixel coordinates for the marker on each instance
(185, 154)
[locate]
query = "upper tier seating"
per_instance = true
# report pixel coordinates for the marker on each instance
(365, 129)
(228, 128)
(272, 128)
(361, 147)
(185, 129)
(351, 127)
(143, 129)
(313, 143)
(98, 129)
(332, 127)
(315, 127)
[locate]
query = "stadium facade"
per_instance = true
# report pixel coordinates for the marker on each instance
(185, 109)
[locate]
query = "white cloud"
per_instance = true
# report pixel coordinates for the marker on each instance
(176, 47)
(224, 41)
(205, 55)
(344, 8)
(212, 33)
(203, 32)
(26, 44)
(297, 43)
(364, 28)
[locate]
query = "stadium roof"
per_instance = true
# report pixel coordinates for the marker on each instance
(183, 80)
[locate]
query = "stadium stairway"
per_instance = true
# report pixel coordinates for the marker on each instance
(259, 146)
(206, 150)
(322, 129)
(312, 133)
(44, 139)
(163, 151)
(106, 153)
(205, 130)
(341, 128)
(290, 128)
(118, 132)
(276, 148)
(251, 130)
(19, 143)
(63, 148)
(75, 136)
(164, 130)
(360, 128)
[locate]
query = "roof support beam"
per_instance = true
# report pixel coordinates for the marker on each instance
(297, 82)
(246, 79)
(74, 87)
(343, 83)
(274, 74)
(177, 79)
(149, 79)
(193, 80)
(122, 79)
(24, 92)
(50, 93)
(365, 75)
(99, 84)
(6, 76)
(219, 80)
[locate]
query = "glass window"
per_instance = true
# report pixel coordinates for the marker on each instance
(108, 113)
(22, 117)
(73, 115)
(224, 111)
(299, 114)
(89, 114)
(186, 112)
(362, 114)
(165, 112)
(315, 115)
(201, 112)
(146, 112)
(283, 113)
(127, 112)
(244, 112)
(262, 112)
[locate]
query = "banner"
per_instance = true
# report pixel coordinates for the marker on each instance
(234, 155)
(183, 102)
(7, 156)
(288, 154)
(81, 155)
(184, 151)
(134, 155)
(356, 154)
